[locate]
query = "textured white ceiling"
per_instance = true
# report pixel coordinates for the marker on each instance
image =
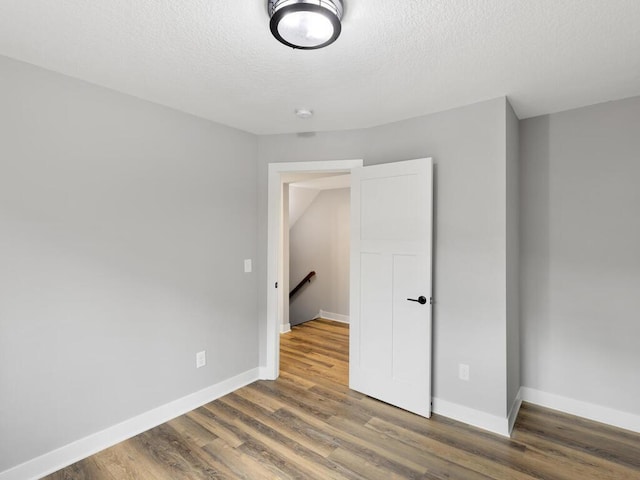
(394, 60)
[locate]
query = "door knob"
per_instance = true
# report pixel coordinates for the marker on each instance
(421, 300)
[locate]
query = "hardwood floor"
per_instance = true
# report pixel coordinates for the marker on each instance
(309, 425)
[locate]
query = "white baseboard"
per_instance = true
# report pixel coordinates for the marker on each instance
(264, 373)
(504, 426)
(597, 413)
(336, 317)
(513, 413)
(73, 452)
(470, 416)
(285, 328)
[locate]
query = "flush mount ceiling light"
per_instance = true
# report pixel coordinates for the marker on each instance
(306, 24)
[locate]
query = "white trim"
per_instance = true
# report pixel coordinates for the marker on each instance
(83, 448)
(285, 328)
(470, 416)
(515, 409)
(597, 413)
(263, 374)
(336, 317)
(274, 208)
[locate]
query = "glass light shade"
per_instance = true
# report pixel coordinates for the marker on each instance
(305, 24)
(305, 29)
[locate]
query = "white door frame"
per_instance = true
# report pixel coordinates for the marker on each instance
(274, 252)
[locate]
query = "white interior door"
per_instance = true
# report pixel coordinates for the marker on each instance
(391, 244)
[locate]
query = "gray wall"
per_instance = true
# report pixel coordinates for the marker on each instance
(581, 254)
(319, 241)
(123, 229)
(513, 257)
(468, 146)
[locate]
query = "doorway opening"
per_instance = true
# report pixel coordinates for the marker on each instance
(277, 274)
(317, 238)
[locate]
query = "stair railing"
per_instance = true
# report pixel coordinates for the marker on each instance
(303, 282)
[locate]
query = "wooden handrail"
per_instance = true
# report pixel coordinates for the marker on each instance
(306, 279)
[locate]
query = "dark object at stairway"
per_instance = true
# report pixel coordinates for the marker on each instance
(306, 279)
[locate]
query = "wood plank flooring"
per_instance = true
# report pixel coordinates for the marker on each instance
(309, 425)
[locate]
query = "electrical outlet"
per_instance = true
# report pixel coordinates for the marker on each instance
(247, 266)
(201, 359)
(463, 372)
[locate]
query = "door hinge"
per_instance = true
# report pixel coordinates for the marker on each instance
(430, 300)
